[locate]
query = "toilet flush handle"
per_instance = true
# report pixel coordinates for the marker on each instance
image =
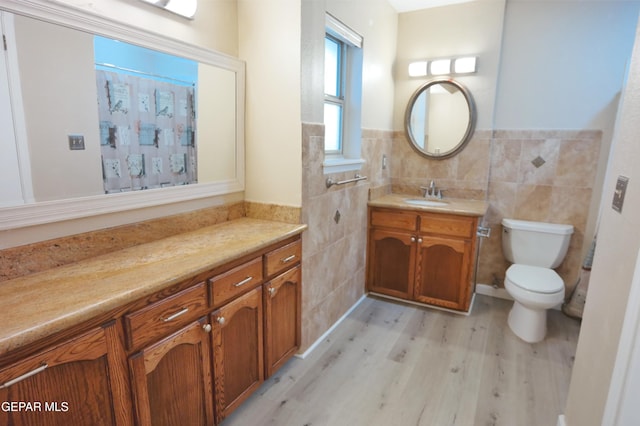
(483, 232)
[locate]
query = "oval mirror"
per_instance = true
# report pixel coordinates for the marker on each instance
(440, 118)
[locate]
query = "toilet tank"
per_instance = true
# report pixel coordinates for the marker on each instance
(535, 243)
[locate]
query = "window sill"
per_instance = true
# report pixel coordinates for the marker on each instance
(337, 165)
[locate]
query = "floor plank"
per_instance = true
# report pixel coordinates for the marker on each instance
(390, 363)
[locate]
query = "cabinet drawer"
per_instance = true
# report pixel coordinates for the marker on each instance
(456, 226)
(236, 281)
(282, 258)
(165, 316)
(398, 220)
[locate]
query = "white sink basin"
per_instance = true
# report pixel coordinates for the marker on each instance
(424, 202)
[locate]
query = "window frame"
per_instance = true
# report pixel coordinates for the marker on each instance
(348, 157)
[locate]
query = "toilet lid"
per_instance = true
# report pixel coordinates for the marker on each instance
(535, 278)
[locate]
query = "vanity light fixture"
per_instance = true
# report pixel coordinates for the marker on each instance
(444, 66)
(465, 65)
(418, 69)
(184, 8)
(440, 67)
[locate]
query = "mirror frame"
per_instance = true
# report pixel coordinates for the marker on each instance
(470, 127)
(74, 208)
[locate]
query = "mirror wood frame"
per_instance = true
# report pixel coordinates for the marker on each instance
(468, 132)
(74, 208)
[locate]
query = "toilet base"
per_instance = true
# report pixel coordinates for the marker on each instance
(528, 324)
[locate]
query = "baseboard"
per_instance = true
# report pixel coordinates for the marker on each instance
(326, 333)
(561, 420)
(489, 290)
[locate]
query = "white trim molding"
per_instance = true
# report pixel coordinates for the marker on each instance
(338, 165)
(625, 376)
(328, 332)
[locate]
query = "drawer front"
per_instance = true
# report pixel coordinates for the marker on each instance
(236, 281)
(398, 220)
(282, 258)
(160, 318)
(455, 226)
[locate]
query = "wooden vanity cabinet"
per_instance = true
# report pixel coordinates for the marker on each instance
(172, 379)
(238, 361)
(186, 355)
(78, 382)
(422, 256)
(392, 267)
(282, 322)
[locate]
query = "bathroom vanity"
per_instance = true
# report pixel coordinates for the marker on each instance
(177, 331)
(423, 252)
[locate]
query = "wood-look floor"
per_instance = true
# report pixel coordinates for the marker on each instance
(394, 364)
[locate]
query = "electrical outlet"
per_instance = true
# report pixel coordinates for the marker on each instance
(619, 193)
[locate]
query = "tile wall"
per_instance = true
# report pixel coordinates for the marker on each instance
(557, 188)
(334, 251)
(499, 165)
(462, 176)
(496, 165)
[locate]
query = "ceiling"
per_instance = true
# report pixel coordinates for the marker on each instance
(410, 5)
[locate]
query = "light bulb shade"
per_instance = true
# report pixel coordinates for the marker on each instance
(185, 8)
(465, 65)
(418, 69)
(440, 67)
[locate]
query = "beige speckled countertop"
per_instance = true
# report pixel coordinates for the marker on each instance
(38, 305)
(453, 206)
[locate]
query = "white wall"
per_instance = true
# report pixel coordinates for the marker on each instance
(377, 22)
(468, 29)
(269, 42)
(563, 63)
(613, 267)
(562, 67)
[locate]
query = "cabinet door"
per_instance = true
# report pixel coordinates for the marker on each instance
(80, 382)
(238, 360)
(443, 270)
(391, 263)
(172, 379)
(282, 321)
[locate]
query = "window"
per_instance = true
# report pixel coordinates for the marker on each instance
(334, 52)
(342, 96)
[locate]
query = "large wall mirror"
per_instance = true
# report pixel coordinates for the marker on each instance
(440, 118)
(151, 133)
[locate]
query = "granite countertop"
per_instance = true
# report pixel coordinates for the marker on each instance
(452, 206)
(40, 304)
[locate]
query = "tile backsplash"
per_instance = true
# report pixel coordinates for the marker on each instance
(540, 175)
(545, 176)
(40, 256)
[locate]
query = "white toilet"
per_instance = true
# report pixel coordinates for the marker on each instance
(534, 248)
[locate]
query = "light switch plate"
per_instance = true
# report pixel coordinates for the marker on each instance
(76, 142)
(619, 193)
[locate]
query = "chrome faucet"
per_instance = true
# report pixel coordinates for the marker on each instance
(431, 191)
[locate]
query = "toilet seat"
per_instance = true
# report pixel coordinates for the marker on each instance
(535, 279)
